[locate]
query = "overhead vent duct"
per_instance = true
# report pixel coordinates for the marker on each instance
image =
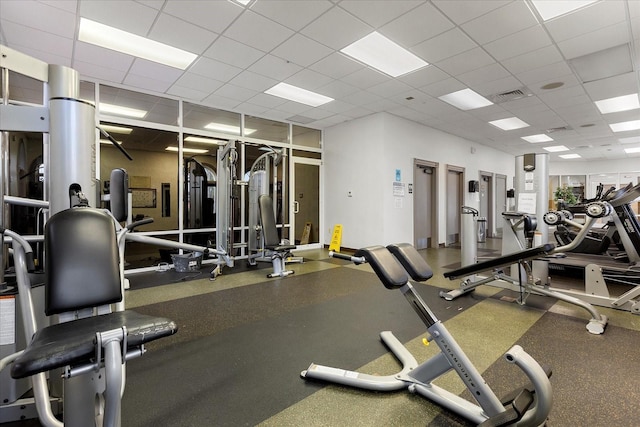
(510, 95)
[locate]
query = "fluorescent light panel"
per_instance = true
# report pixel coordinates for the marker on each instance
(203, 140)
(132, 44)
(509, 123)
(619, 103)
(294, 93)
(117, 129)
(625, 126)
(379, 52)
(537, 138)
(121, 111)
(570, 156)
(221, 127)
(187, 150)
(465, 99)
(549, 9)
(632, 150)
(556, 148)
(630, 140)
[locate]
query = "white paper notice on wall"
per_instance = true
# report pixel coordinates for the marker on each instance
(528, 181)
(397, 202)
(398, 189)
(527, 202)
(7, 320)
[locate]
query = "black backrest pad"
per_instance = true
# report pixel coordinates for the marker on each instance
(390, 273)
(412, 261)
(268, 221)
(81, 262)
(119, 194)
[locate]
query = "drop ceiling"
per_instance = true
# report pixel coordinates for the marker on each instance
(499, 49)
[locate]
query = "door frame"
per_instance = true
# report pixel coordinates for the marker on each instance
(420, 163)
(460, 191)
(491, 215)
(292, 187)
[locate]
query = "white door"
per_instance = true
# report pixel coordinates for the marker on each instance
(305, 197)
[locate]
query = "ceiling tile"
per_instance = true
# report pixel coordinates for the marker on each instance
(308, 79)
(146, 83)
(389, 88)
(465, 62)
(606, 63)
(361, 98)
(498, 86)
(337, 89)
(266, 100)
(444, 46)
(537, 58)
(624, 84)
(129, 16)
(258, 31)
(99, 72)
(293, 14)
(530, 39)
(233, 53)
(178, 33)
(461, 11)
(215, 16)
(236, 92)
(537, 75)
(337, 106)
(604, 38)
(590, 18)
(507, 20)
(218, 101)
(100, 56)
(41, 16)
(197, 82)
(377, 13)
(416, 26)
(336, 65)
(483, 75)
(253, 81)
(274, 67)
(301, 50)
(22, 38)
(214, 69)
(153, 70)
(294, 108)
(323, 29)
(424, 76)
(443, 87)
(365, 78)
(186, 92)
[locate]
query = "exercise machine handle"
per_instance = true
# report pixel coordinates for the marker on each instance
(354, 259)
(135, 224)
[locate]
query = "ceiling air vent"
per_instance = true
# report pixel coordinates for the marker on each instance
(558, 129)
(510, 95)
(301, 119)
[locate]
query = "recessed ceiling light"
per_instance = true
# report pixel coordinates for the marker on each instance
(537, 138)
(294, 93)
(553, 85)
(117, 129)
(625, 126)
(619, 103)
(632, 150)
(509, 124)
(187, 150)
(570, 156)
(121, 111)
(228, 128)
(204, 140)
(551, 9)
(629, 140)
(556, 148)
(465, 99)
(132, 44)
(379, 52)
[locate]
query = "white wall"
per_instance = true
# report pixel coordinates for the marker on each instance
(362, 156)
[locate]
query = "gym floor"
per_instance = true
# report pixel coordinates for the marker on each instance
(244, 339)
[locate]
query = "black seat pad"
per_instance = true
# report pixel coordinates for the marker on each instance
(73, 342)
(280, 248)
(412, 261)
(386, 267)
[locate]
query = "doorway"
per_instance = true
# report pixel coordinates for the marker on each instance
(306, 202)
(501, 201)
(487, 207)
(455, 197)
(425, 226)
